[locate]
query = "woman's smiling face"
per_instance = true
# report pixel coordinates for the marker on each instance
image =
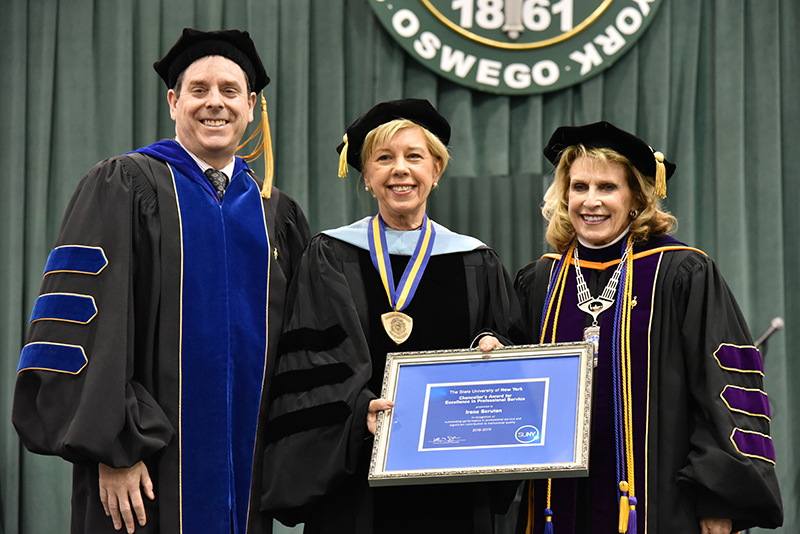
(599, 200)
(401, 174)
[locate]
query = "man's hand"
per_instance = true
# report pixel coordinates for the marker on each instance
(715, 526)
(121, 496)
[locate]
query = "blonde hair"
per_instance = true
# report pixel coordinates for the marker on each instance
(386, 131)
(652, 220)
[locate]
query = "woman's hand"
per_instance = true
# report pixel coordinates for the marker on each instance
(715, 526)
(121, 496)
(375, 406)
(487, 343)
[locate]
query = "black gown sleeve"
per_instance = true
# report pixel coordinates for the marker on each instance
(530, 284)
(317, 418)
(96, 413)
(291, 230)
(493, 300)
(730, 471)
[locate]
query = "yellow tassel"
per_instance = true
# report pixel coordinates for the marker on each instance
(624, 507)
(265, 147)
(661, 176)
(269, 160)
(343, 158)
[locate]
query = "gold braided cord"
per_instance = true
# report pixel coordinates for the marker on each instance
(529, 527)
(549, 308)
(561, 283)
(547, 317)
(625, 360)
(625, 373)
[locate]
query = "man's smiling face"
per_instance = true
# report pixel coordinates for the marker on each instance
(212, 109)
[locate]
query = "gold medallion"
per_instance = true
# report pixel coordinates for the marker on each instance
(398, 325)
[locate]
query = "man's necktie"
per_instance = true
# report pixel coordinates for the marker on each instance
(218, 180)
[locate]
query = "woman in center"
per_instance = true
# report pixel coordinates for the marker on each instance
(394, 282)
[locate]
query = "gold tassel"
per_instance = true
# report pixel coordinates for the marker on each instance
(624, 507)
(265, 147)
(269, 159)
(661, 176)
(343, 158)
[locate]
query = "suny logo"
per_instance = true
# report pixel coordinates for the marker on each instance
(527, 434)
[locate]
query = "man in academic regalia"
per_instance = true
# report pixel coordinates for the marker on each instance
(150, 344)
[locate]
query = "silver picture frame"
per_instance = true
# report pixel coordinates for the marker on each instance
(464, 415)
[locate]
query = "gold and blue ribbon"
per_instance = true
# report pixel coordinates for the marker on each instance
(401, 296)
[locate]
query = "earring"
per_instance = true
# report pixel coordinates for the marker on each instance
(435, 185)
(366, 188)
(634, 214)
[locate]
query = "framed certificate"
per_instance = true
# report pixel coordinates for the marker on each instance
(514, 413)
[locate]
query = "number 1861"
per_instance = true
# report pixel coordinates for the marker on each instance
(536, 15)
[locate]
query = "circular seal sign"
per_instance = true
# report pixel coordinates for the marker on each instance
(516, 47)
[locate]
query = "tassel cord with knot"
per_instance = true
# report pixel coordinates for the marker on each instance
(343, 158)
(264, 147)
(661, 176)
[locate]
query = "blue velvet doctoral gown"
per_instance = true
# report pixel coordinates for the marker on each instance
(151, 340)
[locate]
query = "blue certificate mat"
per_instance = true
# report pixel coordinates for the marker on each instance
(521, 412)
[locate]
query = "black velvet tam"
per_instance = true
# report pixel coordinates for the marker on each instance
(195, 44)
(417, 110)
(606, 135)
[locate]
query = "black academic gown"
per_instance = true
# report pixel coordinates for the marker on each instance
(701, 419)
(331, 365)
(153, 337)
